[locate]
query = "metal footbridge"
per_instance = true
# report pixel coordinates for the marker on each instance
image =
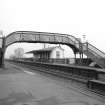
(55, 38)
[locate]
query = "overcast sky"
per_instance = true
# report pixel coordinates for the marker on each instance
(74, 17)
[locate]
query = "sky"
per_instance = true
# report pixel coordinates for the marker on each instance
(74, 17)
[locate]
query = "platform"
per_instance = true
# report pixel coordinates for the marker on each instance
(19, 86)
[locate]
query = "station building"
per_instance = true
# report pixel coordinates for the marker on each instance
(48, 53)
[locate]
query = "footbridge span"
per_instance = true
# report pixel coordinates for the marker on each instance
(55, 38)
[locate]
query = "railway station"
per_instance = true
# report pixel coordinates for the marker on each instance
(48, 78)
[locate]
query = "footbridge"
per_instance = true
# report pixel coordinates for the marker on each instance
(55, 38)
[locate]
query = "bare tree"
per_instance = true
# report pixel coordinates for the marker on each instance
(19, 52)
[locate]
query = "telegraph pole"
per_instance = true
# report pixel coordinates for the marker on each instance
(84, 38)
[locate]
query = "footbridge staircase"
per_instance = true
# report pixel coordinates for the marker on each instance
(91, 52)
(95, 54)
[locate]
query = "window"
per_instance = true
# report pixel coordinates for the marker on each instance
(57, 54)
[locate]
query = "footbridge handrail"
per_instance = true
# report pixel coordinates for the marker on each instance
(96, 50)
(73, 39)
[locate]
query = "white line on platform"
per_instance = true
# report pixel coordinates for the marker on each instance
(28, 72)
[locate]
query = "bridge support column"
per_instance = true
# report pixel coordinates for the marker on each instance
(81, 52)
(75, 57)
(2, 52)
(81, 58)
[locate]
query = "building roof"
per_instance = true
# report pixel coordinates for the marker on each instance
(49, 49)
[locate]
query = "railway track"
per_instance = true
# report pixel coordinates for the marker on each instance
(79, 86)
